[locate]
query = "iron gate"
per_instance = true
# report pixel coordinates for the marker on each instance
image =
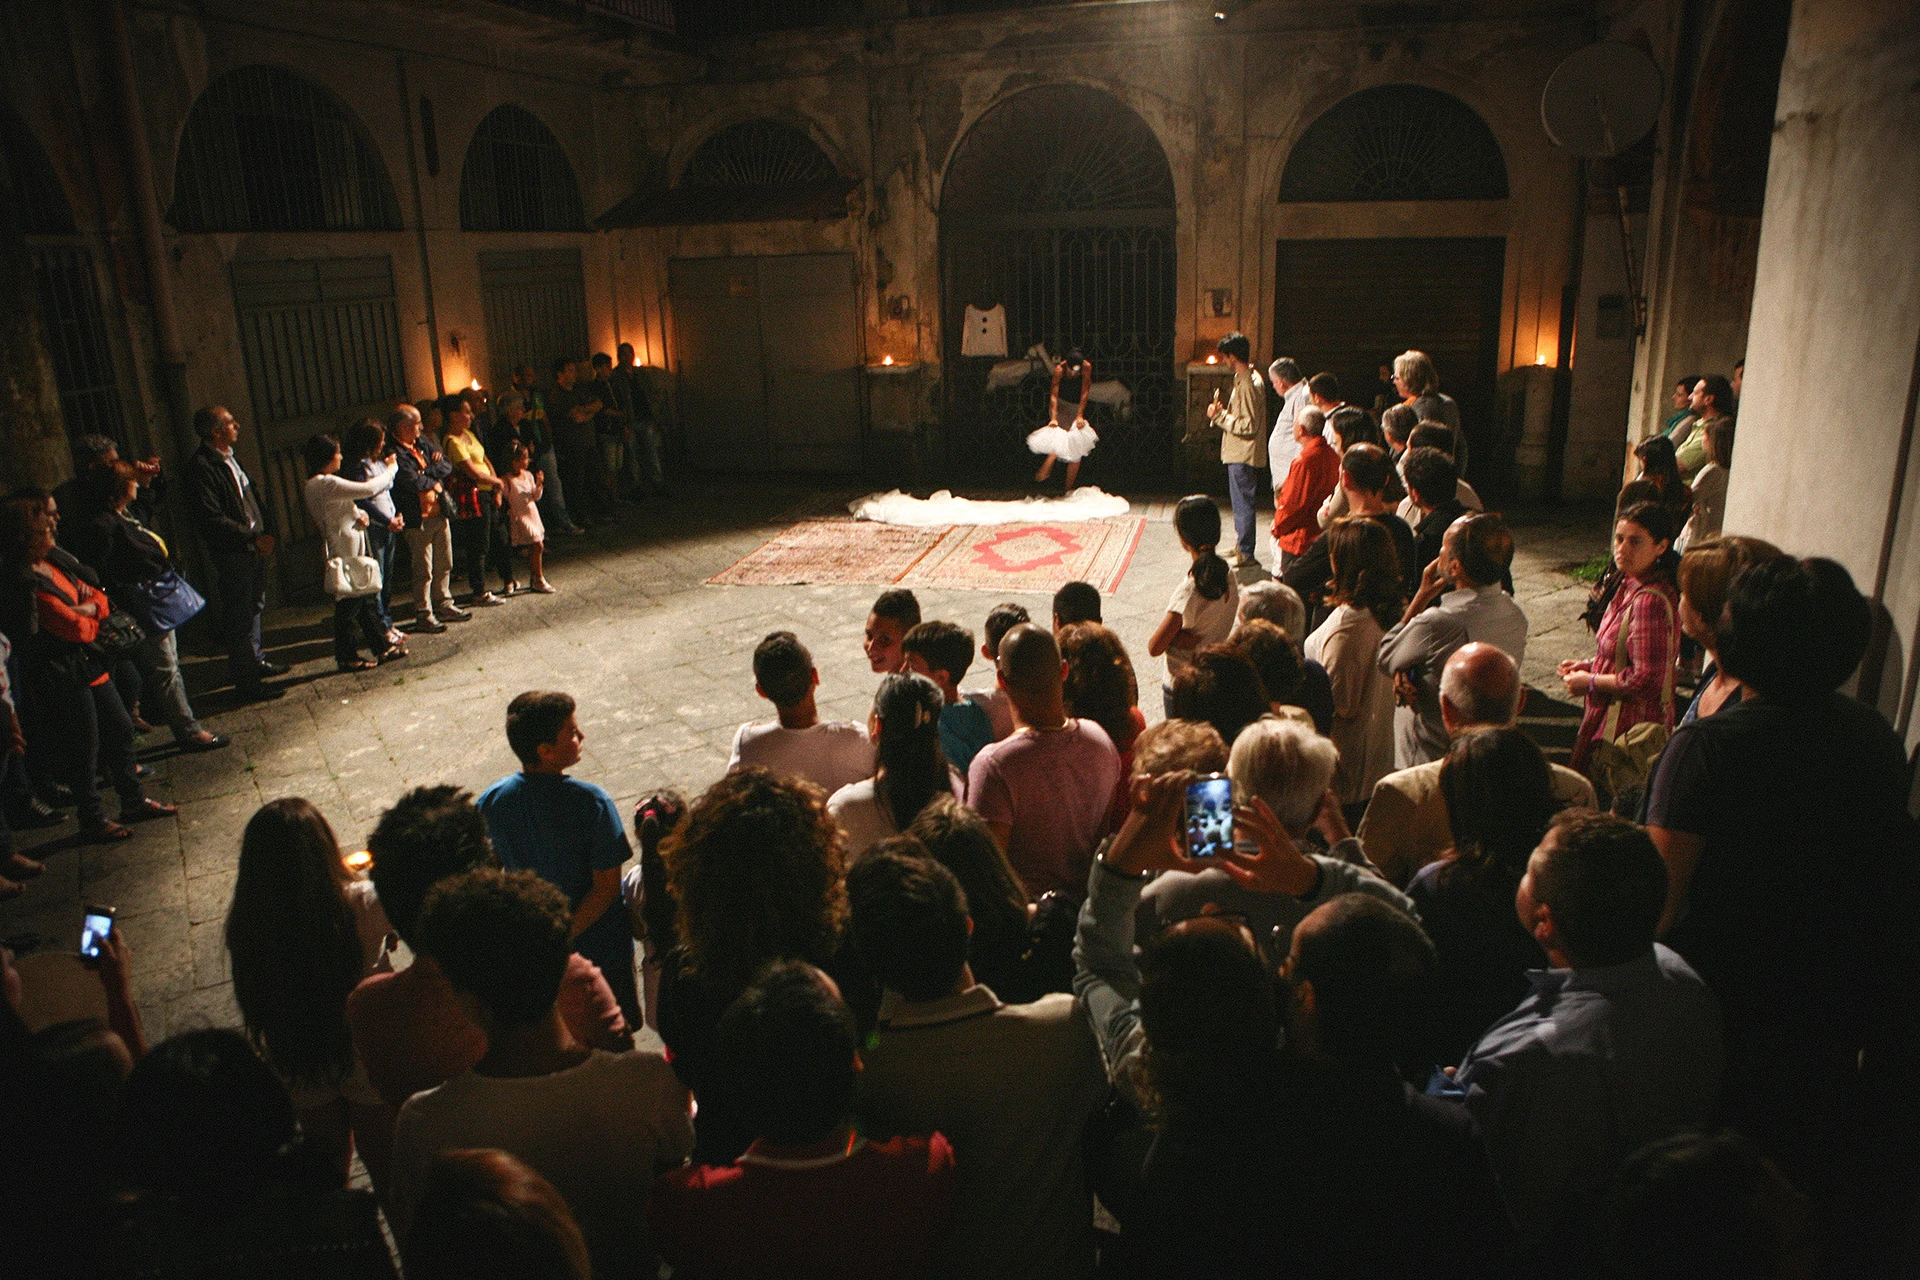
(1059, 205)
(536, 309)
(76, 338)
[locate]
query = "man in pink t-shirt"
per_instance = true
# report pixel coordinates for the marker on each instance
(1044, 790)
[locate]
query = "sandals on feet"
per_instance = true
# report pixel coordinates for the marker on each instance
(358, 664)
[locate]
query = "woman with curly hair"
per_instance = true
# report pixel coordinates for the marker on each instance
(758, 872)
(959, 839)
(301, 934)
(1100, 686)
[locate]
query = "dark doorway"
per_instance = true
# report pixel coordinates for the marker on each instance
(1059, 206)
(1350, 306)
(768, 353)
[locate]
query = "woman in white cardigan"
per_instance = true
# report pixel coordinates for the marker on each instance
(332, 501)
(1366, 599)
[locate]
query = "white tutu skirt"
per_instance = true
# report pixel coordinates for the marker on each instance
(1069, 445)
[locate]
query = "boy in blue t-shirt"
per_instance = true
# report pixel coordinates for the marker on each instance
(942, 652)
(566, 831)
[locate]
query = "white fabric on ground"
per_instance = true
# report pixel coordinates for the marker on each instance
(1088, 502)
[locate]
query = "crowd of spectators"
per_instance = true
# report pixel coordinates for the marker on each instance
(968, 990)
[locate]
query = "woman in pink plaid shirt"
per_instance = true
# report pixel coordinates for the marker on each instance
(1629, 680)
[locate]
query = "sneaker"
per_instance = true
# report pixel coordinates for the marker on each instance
(428, 626)
(485, 600)
(451, 612)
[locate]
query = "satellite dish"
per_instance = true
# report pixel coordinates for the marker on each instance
(1602, 99)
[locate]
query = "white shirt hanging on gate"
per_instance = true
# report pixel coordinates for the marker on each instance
(984, 332)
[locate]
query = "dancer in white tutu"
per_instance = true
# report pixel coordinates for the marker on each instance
(1072, 443)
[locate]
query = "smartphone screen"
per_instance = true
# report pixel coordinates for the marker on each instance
(1209, 817)
(96, 927)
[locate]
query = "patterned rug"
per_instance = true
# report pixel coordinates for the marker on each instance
(1008, 558)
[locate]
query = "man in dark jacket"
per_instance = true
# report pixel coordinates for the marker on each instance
(222, 504)
(420, 495)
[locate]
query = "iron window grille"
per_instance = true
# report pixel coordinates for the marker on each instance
(757, 153)
(1396, 142)
(265, 150)
(516, 177)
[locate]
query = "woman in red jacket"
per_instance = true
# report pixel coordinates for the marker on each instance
(53, 615)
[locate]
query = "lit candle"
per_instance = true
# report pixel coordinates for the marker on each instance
(1213, 359)
(358, 861)
(474, 385)
(886, 360)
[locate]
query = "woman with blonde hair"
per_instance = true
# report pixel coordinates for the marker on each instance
(1365, 591)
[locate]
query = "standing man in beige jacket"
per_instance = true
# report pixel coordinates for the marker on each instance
(1243, 445)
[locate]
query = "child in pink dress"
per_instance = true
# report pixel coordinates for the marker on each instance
(524, 527)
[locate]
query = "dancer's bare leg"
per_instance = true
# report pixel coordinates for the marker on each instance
(1073, 476)
(1046, 468)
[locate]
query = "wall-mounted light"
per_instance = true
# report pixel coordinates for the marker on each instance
(1212, 358)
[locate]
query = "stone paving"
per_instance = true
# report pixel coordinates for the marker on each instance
(659, 662)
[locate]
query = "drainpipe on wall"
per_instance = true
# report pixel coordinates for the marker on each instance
(420, 229)
(153, 251)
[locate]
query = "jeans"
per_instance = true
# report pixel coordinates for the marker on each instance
(477, 542)
(158, 660)
(362, 612)
(643, 457)
(383, 544)
(431, 542)
(1243, 483)
(242, 595)
(81, 728)
(553, 501)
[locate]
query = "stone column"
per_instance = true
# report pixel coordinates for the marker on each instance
(1825, 459)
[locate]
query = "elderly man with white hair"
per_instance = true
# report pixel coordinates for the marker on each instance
(1292, 850)
(1406, 824)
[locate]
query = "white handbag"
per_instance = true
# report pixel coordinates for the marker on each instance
(351, 576)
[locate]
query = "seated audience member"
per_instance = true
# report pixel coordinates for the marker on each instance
(1001, 619)
(997, 948)
(1105, 980)
(1011, 1086)
(598, 1126)
(810, 1198)
(485, 1213)
(1706, 573)
(1459, 600)
(567, 831)
(1406, 824)
(1435, 436)
(1045, 791)
(1708, 508)
(1075, 602)
(895, 613)
(798, 744)
(911, 770)
(1619, 1043)
(1222, 688)
(1712, 402)
(1364, 475)
(221, 1185)
(1279, 604)
(1264, 1155)
(409, 1028)
(1783, 820)
(1430, 481)
(1282, 866)
(1100, 687)
(757, 871)
(1276, 660)
(942, 652)
(1499, 799)
(301, 933)
(1698, 1205)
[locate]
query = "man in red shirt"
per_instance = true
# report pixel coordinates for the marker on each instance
(1312, 477)
(810, 1197)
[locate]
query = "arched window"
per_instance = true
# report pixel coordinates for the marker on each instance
(265, 150)
(517, 178)
(32, 201)
(1396, 142)
(757, 153)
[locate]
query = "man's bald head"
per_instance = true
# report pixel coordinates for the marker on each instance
(1029, 664)
(1479, 686)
